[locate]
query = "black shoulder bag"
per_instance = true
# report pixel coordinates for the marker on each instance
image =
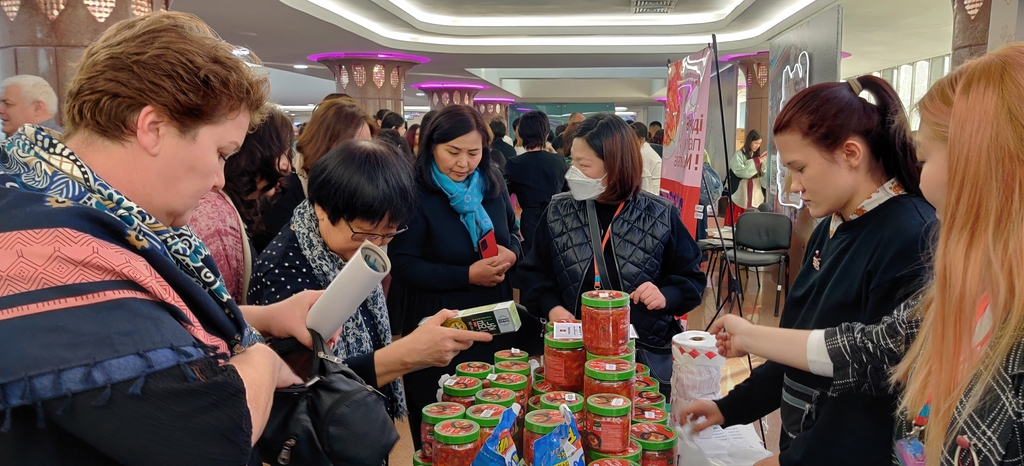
(333, 419)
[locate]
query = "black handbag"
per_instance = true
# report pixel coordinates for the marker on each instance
(333, 419)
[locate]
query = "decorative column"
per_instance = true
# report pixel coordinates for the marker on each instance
(374, 80)
(491, 107)
(46, 37)
(756, 69)
(441, 95)
(981, 26)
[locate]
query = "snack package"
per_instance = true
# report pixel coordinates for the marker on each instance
(499, 449)
(496, 319)
(562, 447)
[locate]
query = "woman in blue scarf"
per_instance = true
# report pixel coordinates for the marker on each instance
(438, 262)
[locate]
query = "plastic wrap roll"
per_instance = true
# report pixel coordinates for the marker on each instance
(696, 370)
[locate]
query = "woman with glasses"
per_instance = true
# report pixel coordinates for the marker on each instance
(360, 191)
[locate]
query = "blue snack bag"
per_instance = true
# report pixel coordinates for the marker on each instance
(561, 447)
(499, 449)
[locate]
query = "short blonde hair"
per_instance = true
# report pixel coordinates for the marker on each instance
(172, 61)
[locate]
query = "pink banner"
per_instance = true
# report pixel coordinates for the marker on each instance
(685, 128)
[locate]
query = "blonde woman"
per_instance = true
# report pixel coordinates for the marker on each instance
(955, 353)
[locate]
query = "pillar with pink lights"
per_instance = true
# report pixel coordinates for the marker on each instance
(443, 94)
(492, 107)
(375, 80)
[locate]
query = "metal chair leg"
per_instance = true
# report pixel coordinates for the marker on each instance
(778, 289)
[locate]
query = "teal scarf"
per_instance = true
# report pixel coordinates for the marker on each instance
(466, 198)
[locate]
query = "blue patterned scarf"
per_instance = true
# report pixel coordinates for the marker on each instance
(39, 162)
(467, 198)
(355, 338)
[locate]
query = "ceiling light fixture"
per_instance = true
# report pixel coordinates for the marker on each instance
(621, 109)
(449, 85)
(494, 99)
(419, 14)
(589, 42)
(421, 94)
(381, 55)
(300, 67)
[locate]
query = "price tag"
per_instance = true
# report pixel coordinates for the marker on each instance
(570, 397)
(568, 331)
(618, 402)
(632, 332)
(487, 413)
(515, 351)
(649, 414)
(610, 367)
(449, 382)
(492, 377)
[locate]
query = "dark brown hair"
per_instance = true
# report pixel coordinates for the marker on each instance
(829, 114)
(257, 160)
(332, 123)
(567, 136)
(449, 124)
(172, 61)
(614, 142)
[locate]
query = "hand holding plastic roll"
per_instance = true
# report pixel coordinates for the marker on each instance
(696, 370)
(349, 289)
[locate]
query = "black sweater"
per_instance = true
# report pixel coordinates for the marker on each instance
(871, 265)
(534, 177)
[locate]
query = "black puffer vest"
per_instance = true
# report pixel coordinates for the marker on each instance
(639, 235)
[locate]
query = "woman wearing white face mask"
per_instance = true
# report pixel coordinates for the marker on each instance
(646, 250)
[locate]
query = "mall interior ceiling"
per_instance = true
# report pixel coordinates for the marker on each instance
(612, 51)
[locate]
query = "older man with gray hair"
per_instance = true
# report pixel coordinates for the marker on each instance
(27, 100)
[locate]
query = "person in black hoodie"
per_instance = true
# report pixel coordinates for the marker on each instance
(855, 165)
(439, 262)
(647, 249)
(535, 176)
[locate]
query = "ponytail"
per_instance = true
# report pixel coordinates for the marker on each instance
(829, 114)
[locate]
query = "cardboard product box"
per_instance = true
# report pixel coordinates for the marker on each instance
(496, 319)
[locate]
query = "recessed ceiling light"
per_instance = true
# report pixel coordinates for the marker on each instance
(420, 94)
(620, 109)
(300, 67)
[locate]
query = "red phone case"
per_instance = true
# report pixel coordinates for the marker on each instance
(488, 246)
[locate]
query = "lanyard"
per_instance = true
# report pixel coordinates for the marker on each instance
(963, 444)
(604, 243)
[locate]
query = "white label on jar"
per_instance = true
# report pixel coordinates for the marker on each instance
(568, 331)
(618, 402)
(649, 414)
(515, 351)
(449, 382)
(610, 367)
(570, 397)
(492, 377)
(489, 412)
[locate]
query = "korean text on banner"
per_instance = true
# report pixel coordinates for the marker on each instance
(689, 82)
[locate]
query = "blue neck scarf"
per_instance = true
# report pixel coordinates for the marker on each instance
(466, 198)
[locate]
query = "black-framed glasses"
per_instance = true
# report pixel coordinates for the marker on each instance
(360, 236)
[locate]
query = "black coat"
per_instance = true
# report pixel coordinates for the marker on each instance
(534, 177)
(430, 271)
(506, 150)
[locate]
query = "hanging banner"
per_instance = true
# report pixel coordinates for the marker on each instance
(689, 82)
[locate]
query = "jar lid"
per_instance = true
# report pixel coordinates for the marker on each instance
(543, 387)
(417, 459)
(499, 396)
(457, 432)
(534, 403)
(462, 386)
(437, 412)
(549, 340)
(609, 405)
(654, 414)
(551, 323)
(554, 400)
(650, 399)
(514, 354)
(486, 415)
(642, 369)
(653, 437)
(515, 367)
(613, 462)
(538, 373)
(606, 299)
(473, 369)
(633, 453)
(646, 384)
(630, 355)
(543, 421)
(609, 369)
(509, 380)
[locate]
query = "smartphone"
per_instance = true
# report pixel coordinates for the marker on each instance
(488, 246)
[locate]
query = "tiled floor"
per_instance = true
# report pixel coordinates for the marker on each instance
(758, 306)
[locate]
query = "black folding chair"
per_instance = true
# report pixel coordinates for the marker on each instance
(762, 239)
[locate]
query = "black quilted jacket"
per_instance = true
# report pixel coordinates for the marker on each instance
(648, 244)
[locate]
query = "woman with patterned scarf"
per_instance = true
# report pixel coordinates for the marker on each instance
(360, 191)
(120, 343)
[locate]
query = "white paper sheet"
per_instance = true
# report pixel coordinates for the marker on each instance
(348, 290)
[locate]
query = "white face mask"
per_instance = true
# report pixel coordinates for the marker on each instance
(582, 187)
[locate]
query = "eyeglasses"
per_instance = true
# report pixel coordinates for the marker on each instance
(360, 236)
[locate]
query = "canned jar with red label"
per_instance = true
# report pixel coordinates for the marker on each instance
(608, 421)
(461, 390)
(434, 414)
(538, 424)
(613, 376)
(456, 442)
(563, 363)
(605, 322)
(658, 443)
